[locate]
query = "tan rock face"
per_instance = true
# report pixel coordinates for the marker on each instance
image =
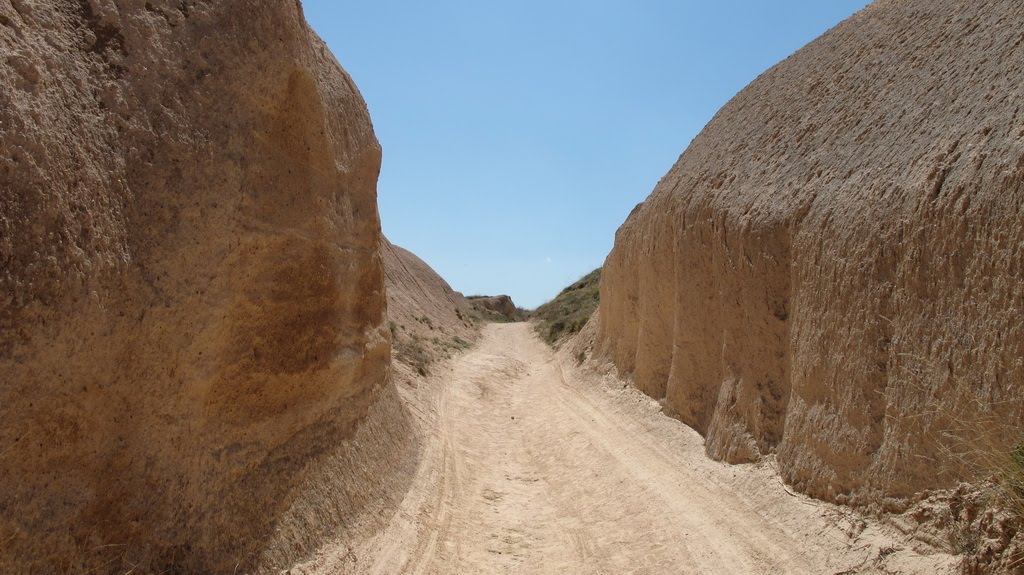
(834, 269)
(191, 293)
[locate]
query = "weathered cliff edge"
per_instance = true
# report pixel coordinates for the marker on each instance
(191, 294)
(834, 269)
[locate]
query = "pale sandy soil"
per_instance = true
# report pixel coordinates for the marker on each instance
(530, 465)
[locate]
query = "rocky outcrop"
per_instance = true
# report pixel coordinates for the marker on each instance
(191, 294)
(834, 269)
(494, 307)
(427, 318)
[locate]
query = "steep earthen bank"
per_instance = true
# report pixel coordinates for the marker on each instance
(427, 318)
(192, 318)
(834, 269)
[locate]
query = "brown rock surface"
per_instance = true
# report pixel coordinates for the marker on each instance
(834, 269)
(191, 294)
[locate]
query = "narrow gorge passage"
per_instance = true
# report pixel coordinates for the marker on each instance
(531, 465)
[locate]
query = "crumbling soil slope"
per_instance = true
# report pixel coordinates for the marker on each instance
(834, 269)
(427, 318)
(191, 294)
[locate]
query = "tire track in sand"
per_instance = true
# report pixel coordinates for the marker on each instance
(529, 465)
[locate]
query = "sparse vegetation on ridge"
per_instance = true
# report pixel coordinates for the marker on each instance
(570, 310)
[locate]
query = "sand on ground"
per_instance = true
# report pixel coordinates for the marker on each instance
(530, 464)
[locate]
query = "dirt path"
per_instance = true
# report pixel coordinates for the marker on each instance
(532, 466)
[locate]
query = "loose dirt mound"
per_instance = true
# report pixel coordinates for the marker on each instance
(834, 269)
(192, 313)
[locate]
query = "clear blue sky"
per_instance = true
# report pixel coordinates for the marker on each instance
(518, 135)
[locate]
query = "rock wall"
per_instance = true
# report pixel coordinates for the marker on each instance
(191, 292)
(833, 271)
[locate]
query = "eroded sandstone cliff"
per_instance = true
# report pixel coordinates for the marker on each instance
(834, 269)
(191, 293)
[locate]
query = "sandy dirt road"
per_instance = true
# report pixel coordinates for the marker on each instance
(530, 465)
